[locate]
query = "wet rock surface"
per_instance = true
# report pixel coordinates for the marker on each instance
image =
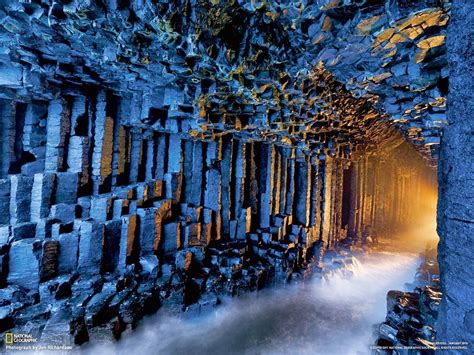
(163, 154)
(332, 313)
(409, 327)
(455, 212)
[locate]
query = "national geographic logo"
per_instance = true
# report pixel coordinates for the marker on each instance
(27, 342)
(13, 338)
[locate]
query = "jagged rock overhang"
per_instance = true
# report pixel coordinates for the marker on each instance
(179, 65)
(147, 157)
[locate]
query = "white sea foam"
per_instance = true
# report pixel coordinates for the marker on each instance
(333, 316)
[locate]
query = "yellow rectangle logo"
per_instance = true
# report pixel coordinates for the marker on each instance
(9, 338)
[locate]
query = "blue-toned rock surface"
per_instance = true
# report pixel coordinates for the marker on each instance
(456, 202)
(168, 153)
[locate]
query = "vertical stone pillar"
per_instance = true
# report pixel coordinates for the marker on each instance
(239, 176)
(135, 154)
(393, 197)
(34, 136)
(401, 191)
(41, 195)
(23, 264)
(103, 146)
(119, 146)
(365, 196)
(372, 187)
(319, 191)
(327, 202)
(128, 236)
(174, 154)
(351, 227)
(337, 201)
(20, 198)
(313, 187)
(226, 173)
(363, 191)
(5, 187)
(213, 191)
(79, 120)
(91, 244)
(285, 153)
(302, 193)
(7, 135)
(197, 167)
(187, 169)
(161, 156)
(359, 195)
(121, 170)
(379, 196)
(456, 171)
(57, 128)
(277, 181)
(150, 155)
(291, 184)
(251, 189)
(78, 157)
(266, 184)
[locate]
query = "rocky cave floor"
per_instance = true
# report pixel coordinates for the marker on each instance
(409, 325)
(78, 309)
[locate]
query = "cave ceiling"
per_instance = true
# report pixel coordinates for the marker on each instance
(324, 76)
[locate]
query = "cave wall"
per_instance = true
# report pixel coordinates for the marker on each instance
(121, 219)
(456, 200)
(98, 167)
(390, 192)
(149, 158)
(111, 220)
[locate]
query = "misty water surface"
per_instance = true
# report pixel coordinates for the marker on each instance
(333, 316)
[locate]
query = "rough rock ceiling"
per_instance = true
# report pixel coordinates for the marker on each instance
(168, 153)
(321, 75)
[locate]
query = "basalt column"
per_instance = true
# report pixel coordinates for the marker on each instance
(100, 196)
(148, 158)
(387, 193)
(456, 198)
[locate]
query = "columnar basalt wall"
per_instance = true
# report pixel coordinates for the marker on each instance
(109, 216)
(456, 168)
(165, 153)
(387, 193)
